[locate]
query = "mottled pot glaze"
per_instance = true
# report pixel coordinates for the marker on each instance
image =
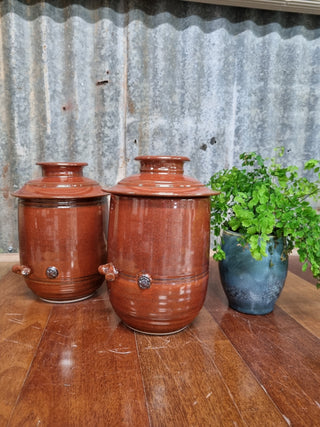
(252, 286)
(62, 233)
(158, 246)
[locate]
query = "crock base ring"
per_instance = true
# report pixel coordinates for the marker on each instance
(66, 301)
(155, 333)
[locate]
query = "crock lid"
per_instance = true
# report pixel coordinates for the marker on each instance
(161, 176)
(60, 180)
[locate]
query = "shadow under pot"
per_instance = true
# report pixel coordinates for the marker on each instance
(158, 246)
(252, 286)
(62, 220)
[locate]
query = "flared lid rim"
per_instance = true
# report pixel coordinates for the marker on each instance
(60, 186)
(62, 164)
(173, 158)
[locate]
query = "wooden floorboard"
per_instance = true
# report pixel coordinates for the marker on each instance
(87, 362)
(78, 365)
(183, 385)
(23, 319)
(301, 301)
(281, 353)
(252, 401)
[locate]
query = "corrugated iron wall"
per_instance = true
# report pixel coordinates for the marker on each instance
(104, 81)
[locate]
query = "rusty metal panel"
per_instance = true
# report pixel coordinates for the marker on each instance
(104, 81)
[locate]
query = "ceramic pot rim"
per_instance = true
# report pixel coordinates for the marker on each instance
(173, 158)
(235, 233)
(62, 164)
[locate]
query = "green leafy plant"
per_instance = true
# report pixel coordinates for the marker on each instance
(264, 198)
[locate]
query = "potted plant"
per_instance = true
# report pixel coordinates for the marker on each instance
(262, 213)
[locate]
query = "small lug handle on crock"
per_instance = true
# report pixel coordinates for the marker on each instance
(144, 280)
(23, 270)
(109, 271)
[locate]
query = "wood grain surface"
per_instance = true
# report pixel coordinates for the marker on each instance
(78, 365)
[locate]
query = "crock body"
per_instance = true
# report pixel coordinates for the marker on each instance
(62, 234)
(158, 249)
(167, 241)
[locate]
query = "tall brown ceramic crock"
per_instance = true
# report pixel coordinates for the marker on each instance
(158, 246)
(62, 233)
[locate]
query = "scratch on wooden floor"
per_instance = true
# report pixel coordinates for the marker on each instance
(14, 314)
(117, 351)
(263, 388)
(16, 318)
(164, 344)
(36, 327)
(61, 335)
(18, 342)
(20, 322)
(249, 324)
(287, 420)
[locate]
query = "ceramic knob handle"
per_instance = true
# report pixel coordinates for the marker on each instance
(23, 270)
(109, 271)
(52, 272)
(144, 281)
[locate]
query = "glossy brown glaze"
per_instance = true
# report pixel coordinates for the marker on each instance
(158, 247)
(62, 233)
(161, 176)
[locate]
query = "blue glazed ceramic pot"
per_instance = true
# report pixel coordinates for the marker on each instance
(252, 286)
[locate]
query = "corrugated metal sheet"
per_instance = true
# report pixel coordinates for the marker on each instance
(104, 81)
(299, 6)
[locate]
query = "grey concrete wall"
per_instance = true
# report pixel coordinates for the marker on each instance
(104, 81)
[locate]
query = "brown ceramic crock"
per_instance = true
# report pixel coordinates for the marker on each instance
(158, 246)
(62, 233)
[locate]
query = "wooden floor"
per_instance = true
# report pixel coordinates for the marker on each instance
(77, 365)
